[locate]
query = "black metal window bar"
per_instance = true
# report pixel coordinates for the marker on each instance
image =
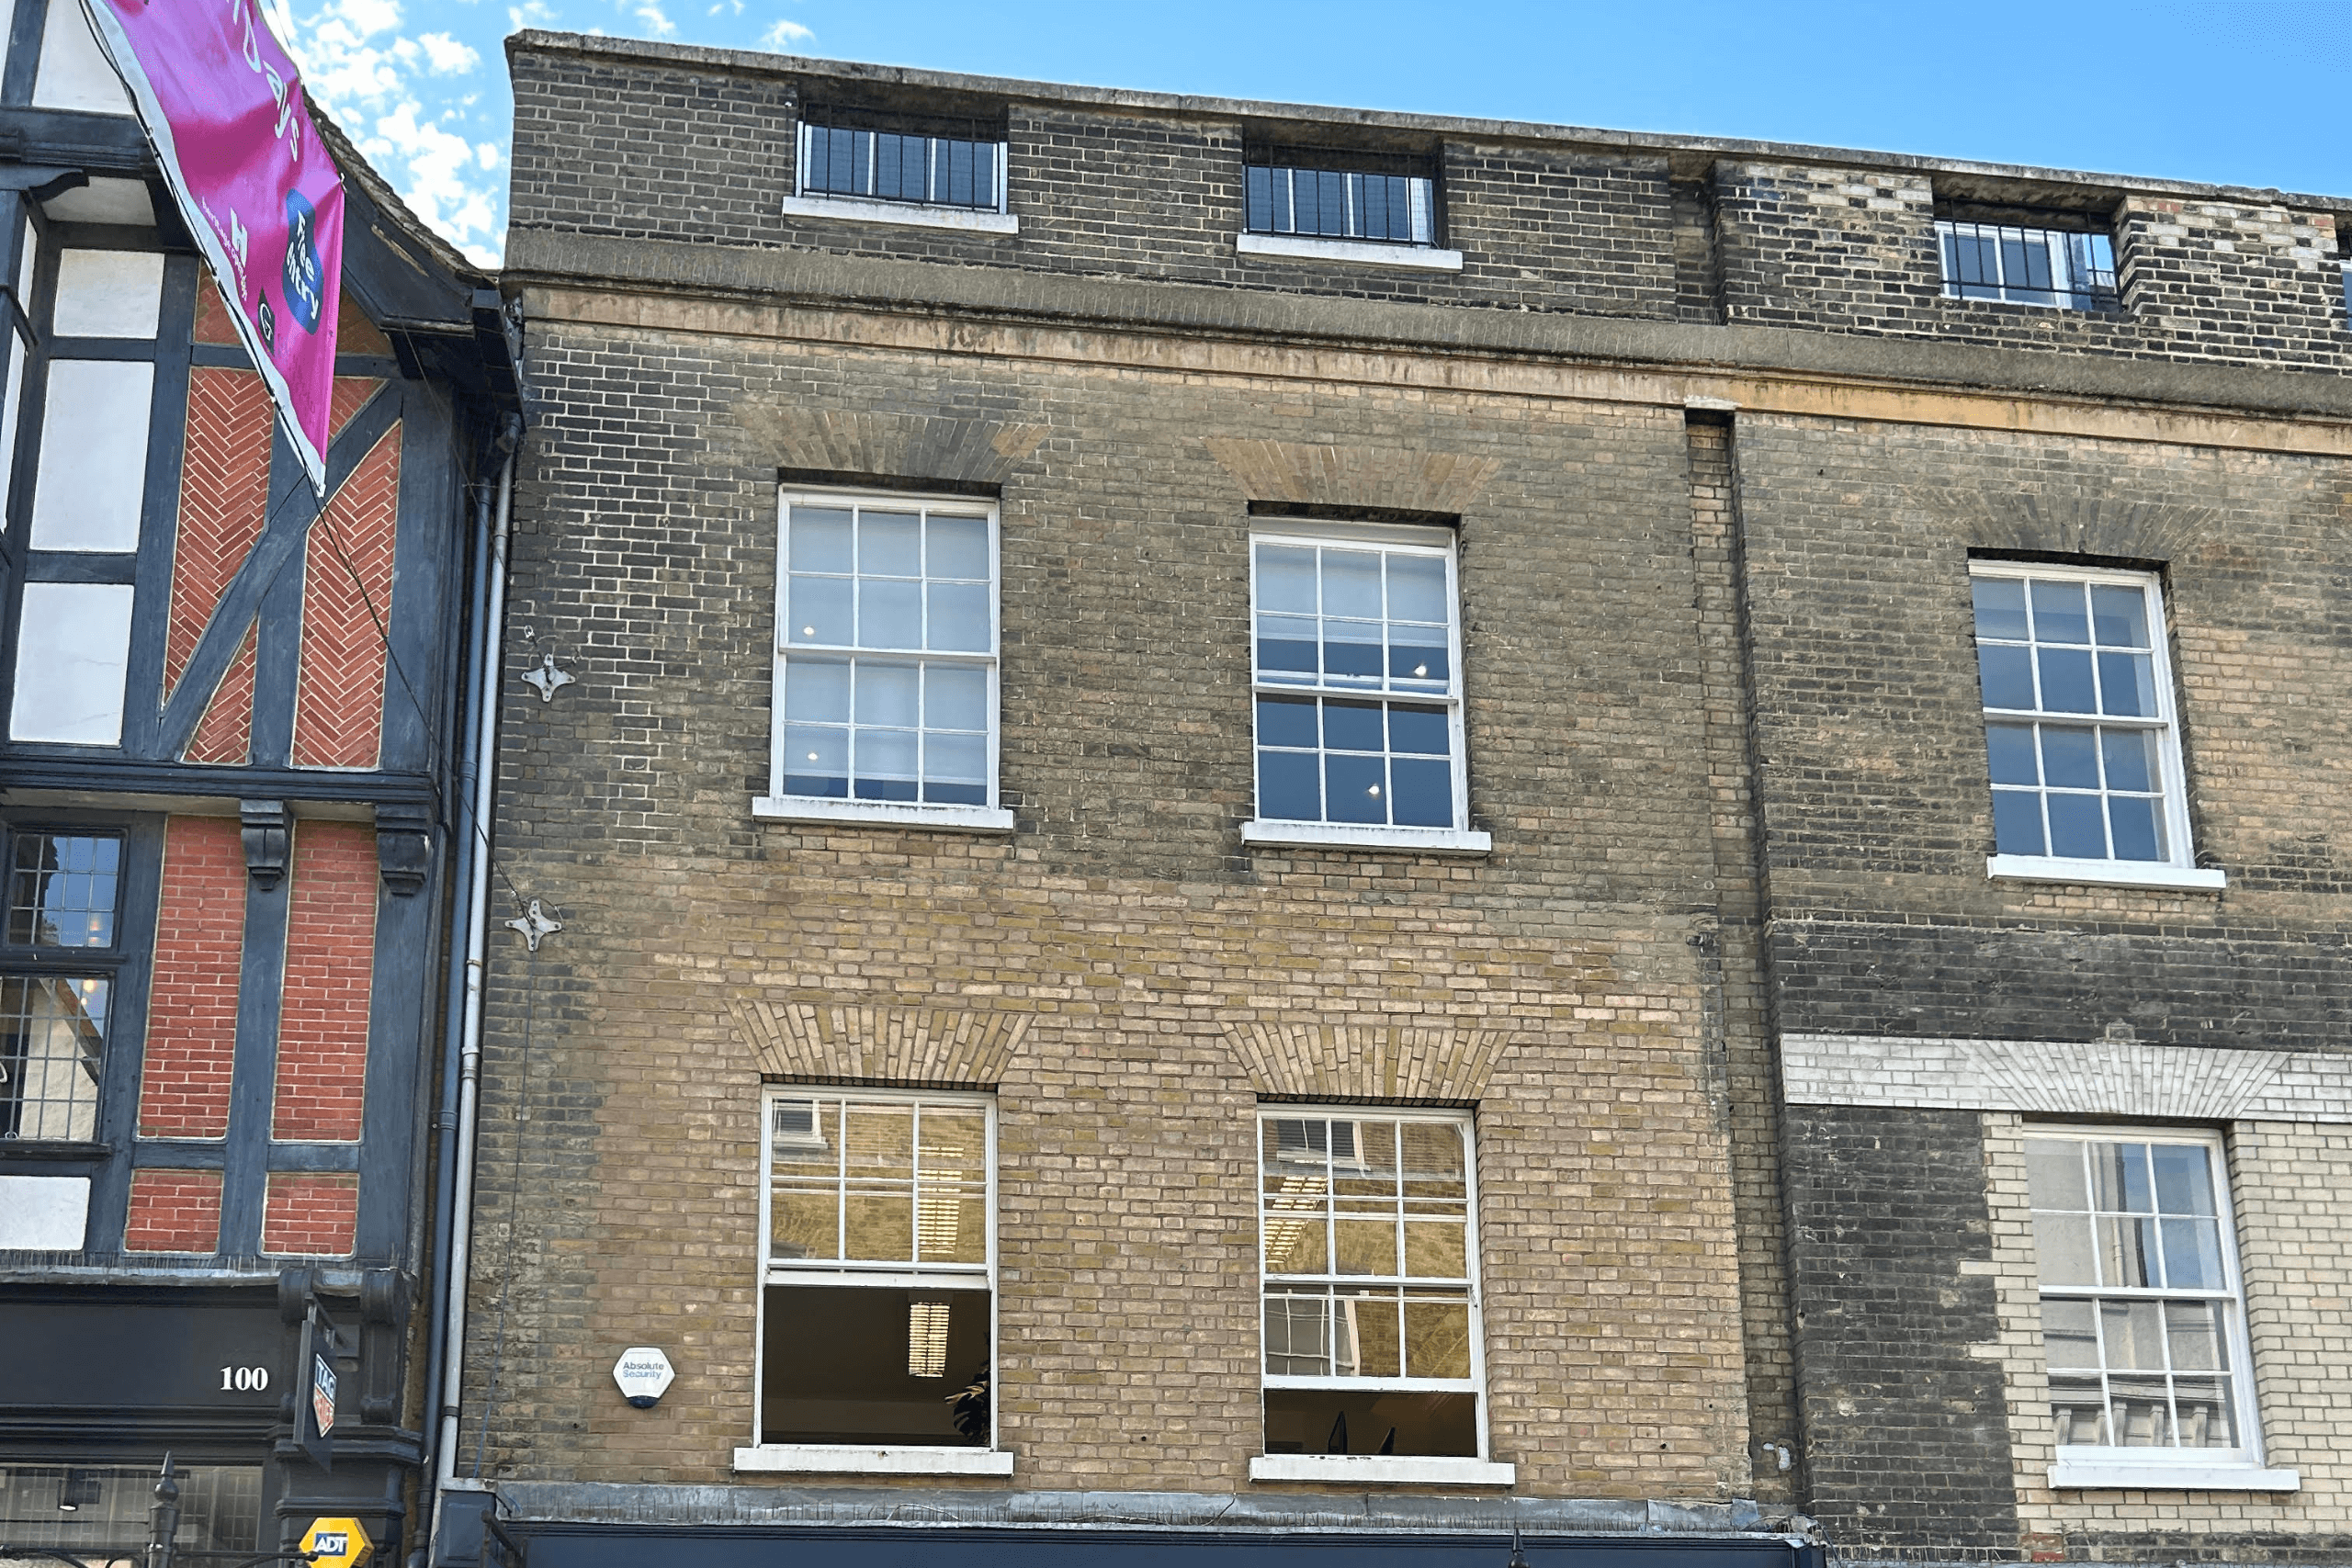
(2065, 268)
(1333, 204)
(887, 165)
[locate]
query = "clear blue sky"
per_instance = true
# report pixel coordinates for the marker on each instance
(2242, 94)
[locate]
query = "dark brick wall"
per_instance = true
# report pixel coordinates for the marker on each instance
(1906, 1434)
(1849, 250)
(2259, 987)
(1876, 809)
(706, 155)
(608, 148)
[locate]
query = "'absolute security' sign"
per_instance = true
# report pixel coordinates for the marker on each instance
(644, 1374)
(225, 111)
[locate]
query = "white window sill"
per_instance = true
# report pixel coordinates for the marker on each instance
(1364, 835)
(2106, 1475)
(913, 214)
(1382, 1469)
(1293, 247)
(843, 1458)
(817, 809)
(2107, 873)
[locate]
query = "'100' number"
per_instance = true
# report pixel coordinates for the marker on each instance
(243, 1380)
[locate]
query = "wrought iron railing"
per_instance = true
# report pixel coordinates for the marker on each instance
(1335, 204)
(885, 165)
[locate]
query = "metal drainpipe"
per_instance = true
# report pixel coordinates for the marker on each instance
(453, 1246)
(468, 843)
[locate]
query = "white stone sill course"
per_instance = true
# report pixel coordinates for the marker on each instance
(852, 209)
(2088, 1475)
(1363, 836)
(947, 818)
(842, 1459)
(1382, 1469)
(2106, 873)
(1293, 247)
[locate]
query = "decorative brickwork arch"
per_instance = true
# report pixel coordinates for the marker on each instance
(878, 1043)
(2115, 526)
(1367, 1060)
(912, 446)
(1394, 478)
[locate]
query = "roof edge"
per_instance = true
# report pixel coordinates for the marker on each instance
(1136, 101)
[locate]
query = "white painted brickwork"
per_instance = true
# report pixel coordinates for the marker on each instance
(2067, 1077)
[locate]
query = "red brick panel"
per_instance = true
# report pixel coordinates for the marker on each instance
(311, 1214)
(192, 1002)
(330, 964)
(225, 734)
(224, 493)
(355, 334)
(212, 324)
(173, 1211)
(351, 394)
(339, 705)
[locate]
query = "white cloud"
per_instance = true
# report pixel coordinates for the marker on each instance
(436, 160)
(341, 57)
(784, 34)
(447, 55)
(376, 79)
(655, 19)
(529, 14)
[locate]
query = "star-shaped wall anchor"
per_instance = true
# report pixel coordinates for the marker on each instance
(535, 925)
(546, 678)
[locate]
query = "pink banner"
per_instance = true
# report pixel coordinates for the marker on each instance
(228, 118)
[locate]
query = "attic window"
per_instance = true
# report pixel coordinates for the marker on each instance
(2056, 258)
(920, 160)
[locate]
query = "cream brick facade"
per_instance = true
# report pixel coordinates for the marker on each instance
(2296, 1257)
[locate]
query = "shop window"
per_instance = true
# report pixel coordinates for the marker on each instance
(879, 1306)
(1370, 1289)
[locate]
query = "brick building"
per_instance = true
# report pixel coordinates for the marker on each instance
(1284, 830)
(226, 764)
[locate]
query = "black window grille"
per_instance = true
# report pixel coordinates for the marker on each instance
(2067, 269)
(1339, 204)
(902, 166)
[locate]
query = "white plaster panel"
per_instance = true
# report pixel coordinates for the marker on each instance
(74, 72)
(43, 1214)
(93, 477)
(73, 653)
(108, 294)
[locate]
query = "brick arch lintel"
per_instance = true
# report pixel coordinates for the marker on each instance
(877, 1042)
(907, 448)
(1322, 475)
(1366, 1059)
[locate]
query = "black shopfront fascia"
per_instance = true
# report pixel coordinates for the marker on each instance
(535, 1544)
